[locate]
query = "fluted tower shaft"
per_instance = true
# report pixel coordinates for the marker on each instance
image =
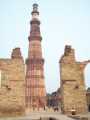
(35, 87)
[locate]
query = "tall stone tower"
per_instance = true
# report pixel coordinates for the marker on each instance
(72, 83)
(35, 88)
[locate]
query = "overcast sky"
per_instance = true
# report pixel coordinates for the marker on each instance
(62, 22)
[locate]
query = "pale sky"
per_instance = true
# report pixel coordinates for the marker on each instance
(62, 22)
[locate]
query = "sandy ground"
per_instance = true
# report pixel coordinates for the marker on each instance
(38, 115)
(44, 114)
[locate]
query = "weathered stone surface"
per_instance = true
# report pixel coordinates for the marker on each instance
(12, 91)
(72, 83)
(16, 54)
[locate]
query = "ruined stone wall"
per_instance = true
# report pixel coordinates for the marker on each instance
(12, 80)
(73, 90)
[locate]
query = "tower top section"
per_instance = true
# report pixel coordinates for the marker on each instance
(35, 15)
(35, 10)
(35, 7)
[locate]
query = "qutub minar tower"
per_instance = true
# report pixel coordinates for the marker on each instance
(35, 88)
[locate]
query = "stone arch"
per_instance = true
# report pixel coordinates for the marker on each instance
(87, 75)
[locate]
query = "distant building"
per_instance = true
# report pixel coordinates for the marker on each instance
(73, 89)
(54, 99)
(12, 81)
(88, 99)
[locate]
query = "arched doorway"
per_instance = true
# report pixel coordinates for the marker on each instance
(87, 75)
(87, 82)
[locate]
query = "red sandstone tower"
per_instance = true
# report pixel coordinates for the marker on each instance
(35, 88)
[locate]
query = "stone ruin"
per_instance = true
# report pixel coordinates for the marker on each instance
(12, 79)
(73, 89)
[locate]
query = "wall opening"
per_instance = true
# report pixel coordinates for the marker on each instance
(87, 75)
